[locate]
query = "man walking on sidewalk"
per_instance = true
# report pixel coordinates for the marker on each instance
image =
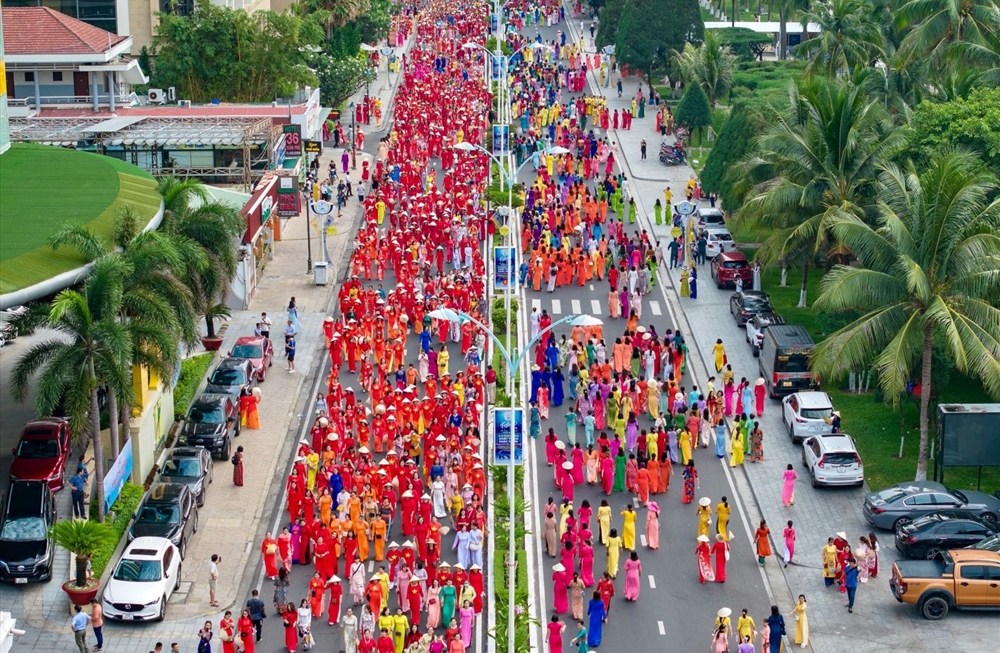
(79, 625)
(257, 613)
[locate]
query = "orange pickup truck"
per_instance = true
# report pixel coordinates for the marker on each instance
(960, 578)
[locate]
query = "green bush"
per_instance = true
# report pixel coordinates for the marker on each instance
(498, 316)
(743, 41)
(123, 507)
(193, 370)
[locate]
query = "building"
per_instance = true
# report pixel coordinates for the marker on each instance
(53, 59)
(4, 124)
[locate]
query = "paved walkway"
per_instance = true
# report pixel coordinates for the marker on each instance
(233, 520)
(879, 622)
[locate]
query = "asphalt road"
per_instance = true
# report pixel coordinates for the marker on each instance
(674, 610)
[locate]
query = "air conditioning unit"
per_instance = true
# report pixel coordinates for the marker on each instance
(171, 94)
(157, 96)
(184, 103)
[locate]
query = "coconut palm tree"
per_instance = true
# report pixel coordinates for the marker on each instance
(710, 65)
(936, 25)
(847, 38)
(785, 9)
(930, 270)
(818, 161)
(204, 234)
(93, 349)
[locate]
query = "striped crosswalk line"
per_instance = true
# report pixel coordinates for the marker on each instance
(654, 307)
(536, 303)
(595, 307)
(575, 306)
(556, 307)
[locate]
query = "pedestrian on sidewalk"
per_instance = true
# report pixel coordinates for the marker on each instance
(257, 612)
(851, 582)
(238, 467)
(79, 626)
(642, 152)
(97, 622)
(213, 578)
(78, 483)
(265, 326)
(290, 353)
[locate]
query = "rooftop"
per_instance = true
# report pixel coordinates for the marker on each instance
(41, 30)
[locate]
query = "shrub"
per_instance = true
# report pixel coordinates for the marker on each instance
(193, 370)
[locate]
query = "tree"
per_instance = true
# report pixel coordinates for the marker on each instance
(847, 38)
(709, 65)
(745, 43)
(92, 349)
(204, 232)
(973, 122)
(819, 160)
(649, 30)
(936, 25)
(340, 78)
(733, 143)
(930, 269)
(84, 539)
(233, 55)
(785, 9)
(693, 111)
(607, 28)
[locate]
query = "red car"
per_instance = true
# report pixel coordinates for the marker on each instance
(256, 349)
(729, 266)
(42, 452)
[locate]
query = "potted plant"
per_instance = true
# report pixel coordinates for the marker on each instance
(83, 538)
(211, 341)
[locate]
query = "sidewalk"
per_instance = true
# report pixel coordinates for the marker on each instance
(233, 520)
(879, 622)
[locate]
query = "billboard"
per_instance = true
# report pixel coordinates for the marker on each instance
(508, 426)
(504, 268)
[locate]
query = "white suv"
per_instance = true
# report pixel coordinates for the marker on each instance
(807, 413)
(147, 574)
(833, 459)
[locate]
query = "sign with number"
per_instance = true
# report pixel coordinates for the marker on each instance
(313, 147)
(293, 140)
(508, 428)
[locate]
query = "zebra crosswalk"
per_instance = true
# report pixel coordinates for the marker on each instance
(576, 306)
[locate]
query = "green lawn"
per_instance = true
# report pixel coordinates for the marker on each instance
(46, 187)
(875, 425)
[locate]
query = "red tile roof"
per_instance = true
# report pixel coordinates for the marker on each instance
(41, 30)
(197, 111)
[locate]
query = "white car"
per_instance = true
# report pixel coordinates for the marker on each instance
(833, 459)
(709, 217)
(146, 575)
(807, 413)
(719, 240)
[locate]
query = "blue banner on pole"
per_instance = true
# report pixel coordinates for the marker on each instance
(508, 424)
(501, 139)
(504, 269)
(119, 473)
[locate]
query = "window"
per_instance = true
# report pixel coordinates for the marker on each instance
(138, 571)
(944, 499)
(974, 572)
(919, 500)
(57, 76)
(29, 77)
(168, 557)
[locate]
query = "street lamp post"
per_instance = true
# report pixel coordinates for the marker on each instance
(452, 315)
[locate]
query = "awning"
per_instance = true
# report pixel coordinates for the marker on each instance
(111, 125)
(131, 72)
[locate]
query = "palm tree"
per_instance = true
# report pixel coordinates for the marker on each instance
(710, 65)
(931, 269)
(94, 349)
(156, 306)
(785, 9)
(847, 38)
(335, 13)
(936, 25)
(819, 161)
(204, 234)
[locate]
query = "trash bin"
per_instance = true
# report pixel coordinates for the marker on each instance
(319, 272)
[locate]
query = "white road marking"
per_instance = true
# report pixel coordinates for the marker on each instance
(652, 582)
(663, 629)
(642, 538)
(591, 286)
(595, 307)
(536, 303)
(371, 566)
(654, 307)
(575, 306)
(556, 307)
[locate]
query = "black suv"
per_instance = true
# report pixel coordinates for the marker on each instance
(234, 376)
(169, 511)
(191, 466)
(744, 305)
(26, 546)
(213, 420)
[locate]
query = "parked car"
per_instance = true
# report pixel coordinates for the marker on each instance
(729, 266)
(963, 578)
(930, 535)
(784, 360)
(146, 575)
(168, 510)
(991, 543)
(26, 546)
(41, 453)
(234, 376)
(719, 240)
(213, 420)
(833, 460)
(807, 413)
(256, 349)
(755, 327)
(744, 305)
(902, 503)
(192, 466)
(709, 217)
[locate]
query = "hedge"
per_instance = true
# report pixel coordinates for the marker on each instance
(193, 370)
(523, 621)
(123, 507)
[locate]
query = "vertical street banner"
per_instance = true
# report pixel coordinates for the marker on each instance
(501, 139)
(508, 426)
(504, 269)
